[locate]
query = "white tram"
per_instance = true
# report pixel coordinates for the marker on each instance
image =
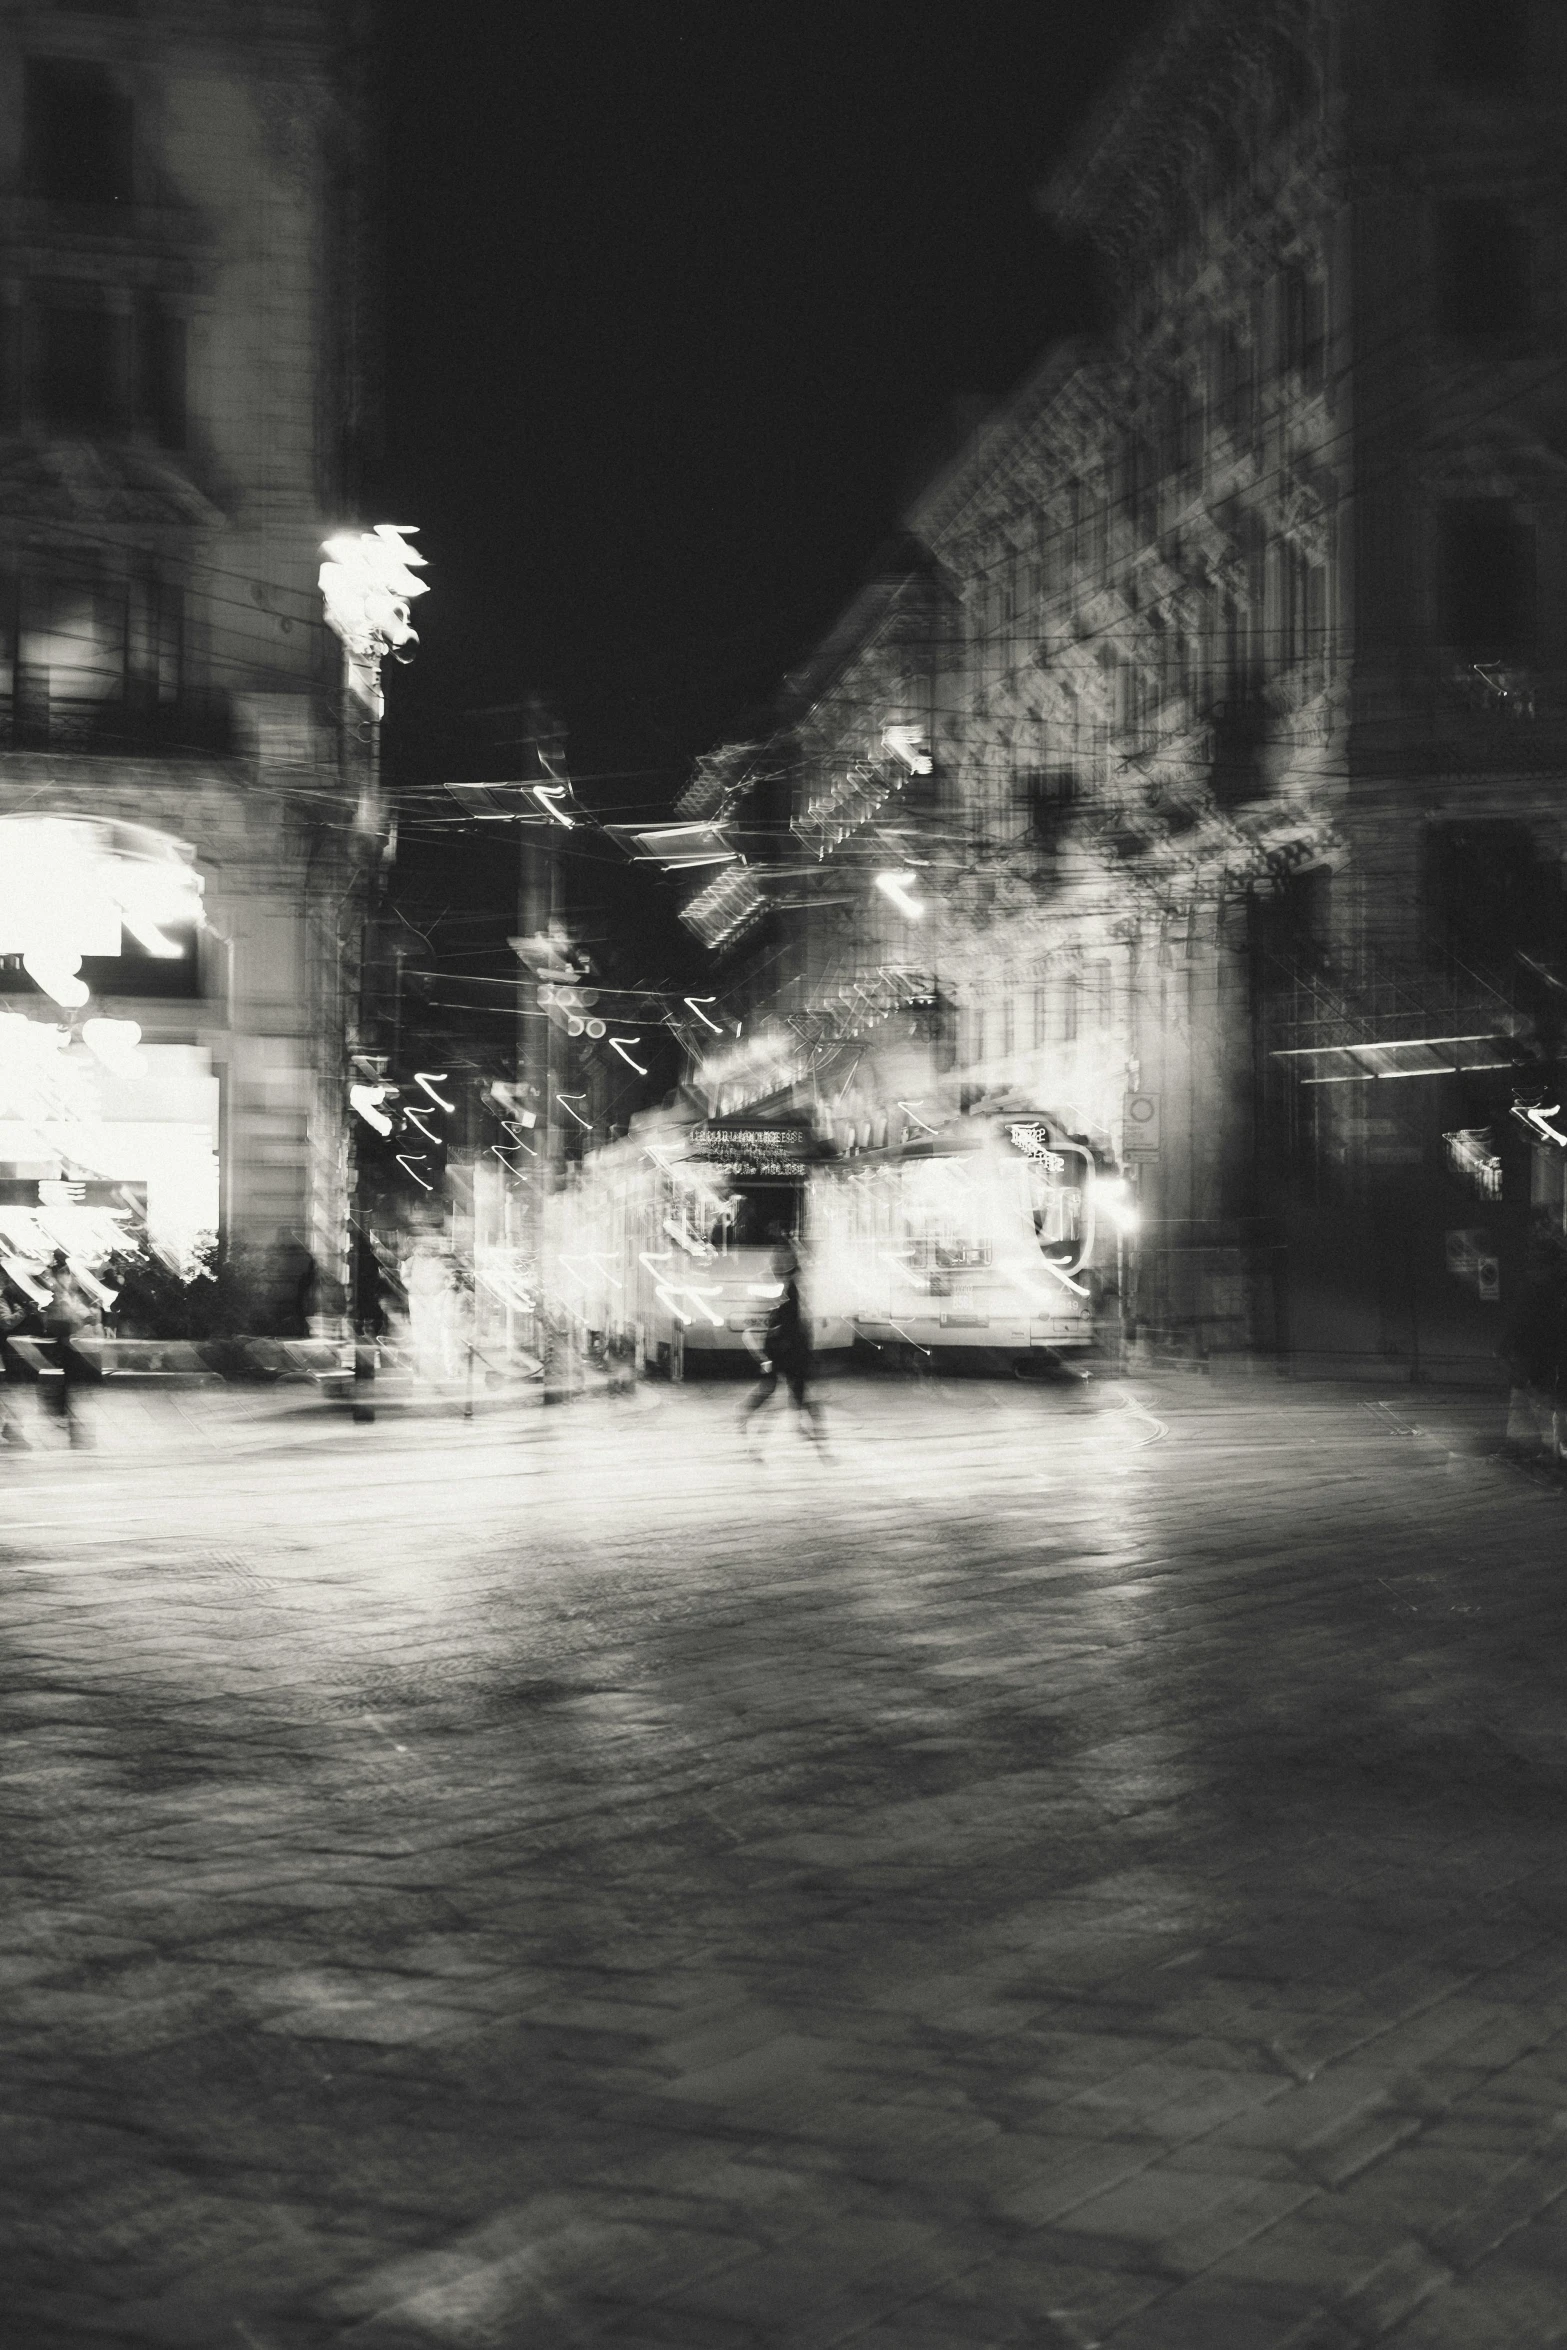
(663, 1241)
(979, 1235)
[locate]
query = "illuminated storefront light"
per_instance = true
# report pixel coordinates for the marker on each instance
(73, 887)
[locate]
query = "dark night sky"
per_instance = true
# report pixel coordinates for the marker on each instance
(677, 295)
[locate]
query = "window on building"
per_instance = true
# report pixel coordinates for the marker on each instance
(1174, 427)
(1492, 891)
(1302, 324)
(10, 365)
(1097, 534)
(1041, 1015)
(1043, 797)
(73, 383)
(1231, 386)
(160, 389)
(1071, 992)
(1482, 270)
(1291, 924)
(86, 659)
(1008, 1026)
(76, 137)
(1481, 43)
(1302, 607)
(1486, 589)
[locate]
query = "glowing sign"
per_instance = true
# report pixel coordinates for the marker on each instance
(1033, 1141)
(775, 1151)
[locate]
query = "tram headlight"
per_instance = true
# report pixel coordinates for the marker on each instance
(1114, 1194)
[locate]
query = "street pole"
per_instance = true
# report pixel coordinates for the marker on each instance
(362, 737)
(367, 583)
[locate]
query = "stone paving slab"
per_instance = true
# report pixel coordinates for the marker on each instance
(1079, 1866)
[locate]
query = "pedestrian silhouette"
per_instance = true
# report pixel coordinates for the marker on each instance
(786, 1349)
(62, 1317)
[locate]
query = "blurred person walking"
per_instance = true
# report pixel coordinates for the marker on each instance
(786, 1351)
(67, 1310)
(17, 1311)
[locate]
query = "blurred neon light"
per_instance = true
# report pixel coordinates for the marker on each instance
(911, 744)
(427, 1081)
(548, 796)
(367, 1100)
(897, 887)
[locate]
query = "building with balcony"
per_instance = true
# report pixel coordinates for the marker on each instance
(822, 916)
(1249, 719)
(186, 315)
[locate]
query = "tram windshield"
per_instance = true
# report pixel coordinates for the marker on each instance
(760, 1214)
(1053, 1177)
(717, 1220)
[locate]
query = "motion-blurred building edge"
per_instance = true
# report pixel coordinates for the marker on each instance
(1240, 636)
(185, 400)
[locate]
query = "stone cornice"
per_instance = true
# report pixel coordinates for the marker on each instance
(1063, 390)
(1168, 126)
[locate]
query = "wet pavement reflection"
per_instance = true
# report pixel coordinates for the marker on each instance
(1077, 1864)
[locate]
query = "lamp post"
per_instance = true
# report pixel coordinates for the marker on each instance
(541, 803)
(367, 584)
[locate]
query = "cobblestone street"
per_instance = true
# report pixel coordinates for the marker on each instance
(1080, 1864)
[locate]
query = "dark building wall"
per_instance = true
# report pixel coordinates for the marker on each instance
(187, 273)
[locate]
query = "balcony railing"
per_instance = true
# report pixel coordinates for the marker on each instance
(34, 719)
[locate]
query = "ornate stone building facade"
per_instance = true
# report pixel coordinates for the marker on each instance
(1245, 826)
(185, 324)
(827, 934)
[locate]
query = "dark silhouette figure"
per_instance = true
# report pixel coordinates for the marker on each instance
(786, 1349)
(17, 1315)
(61, 1318)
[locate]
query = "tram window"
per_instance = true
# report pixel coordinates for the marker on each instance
(763, 1213)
